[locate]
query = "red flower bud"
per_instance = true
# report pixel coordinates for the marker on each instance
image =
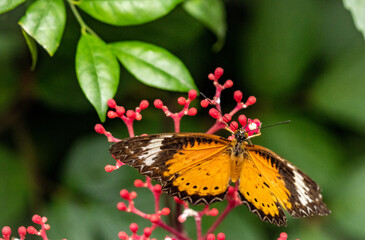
(218, 72)
(6, 231)
(32, 230)
(99, 129)
(227, 118)
(154, 218)
(124, 194)
(228, 84)
(121, 206)
(213, 212)
(221, 236)
(237, 96)
(233, 126)
(214, 113)
(210, 236)
(22, 231)
(204, 103)
(133, 227)
(147, 232)
(158, 103)
(123, 235)
(157, 188)
(131, 114)
(251, 100)
(120, 110)
(192, 111)
(231, 191)
(165, 211)
(111, 103)
(47, 227)
(109, 168)
(192, 94)
(138, 183)
(37, 219)
(242, 119)
(211, 76)
(181, 100)
(144, 104)
(132, 195)
(111, 114)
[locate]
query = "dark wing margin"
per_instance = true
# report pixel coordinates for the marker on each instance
(305, 198)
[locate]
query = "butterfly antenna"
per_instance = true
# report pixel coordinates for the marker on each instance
(274, 124)
(212, 103)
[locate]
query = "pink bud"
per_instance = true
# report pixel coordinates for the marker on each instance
(138, 116)
(231, 191)
(22, 231)
(37, 219)
(242, 119)
(111, 103)
(211, 76)
(192, 111)
(121, 206)
(6, 231)
(123, 235)
(138, 183)
(154, 218)
(131, 114)
(251, 100)
(227, 118)
(32, 230)
(133, 227)
(181, 218)
(144, 104)
(204, 103)
(192, 94)
(214, 113)
(181, 100)
(228, 84)
(99, 129)
(109, 168)
(132, 195)
(111, 114)
(218, 72)
(124, 194)
(237, 96)
(165, 211)
(221, 236)
(120, 110)
(210, 236)
(213, 212)
(47, 227)
(158, 103)
(147, 232)
(233, 126)
(283, 235)
(157, 188)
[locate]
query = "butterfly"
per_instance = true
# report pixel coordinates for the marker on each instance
(199, 168)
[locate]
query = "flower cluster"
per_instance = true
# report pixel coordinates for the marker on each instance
(182, 209)
(22, 231)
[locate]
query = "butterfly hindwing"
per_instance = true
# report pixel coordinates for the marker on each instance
(194, 167)
(295, 191)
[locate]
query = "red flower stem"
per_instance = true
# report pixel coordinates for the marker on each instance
(238, 107)
(130, 128)
(217, 126)
(179, 235)
(177, 120)
(231, 204)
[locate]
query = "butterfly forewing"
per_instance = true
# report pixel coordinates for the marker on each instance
(194, 167)
(295, 191)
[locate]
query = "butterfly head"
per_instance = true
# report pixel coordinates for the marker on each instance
(250, 130)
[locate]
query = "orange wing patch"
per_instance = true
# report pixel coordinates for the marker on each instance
(257, 193)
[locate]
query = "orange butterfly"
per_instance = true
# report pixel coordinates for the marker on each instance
(199, 168)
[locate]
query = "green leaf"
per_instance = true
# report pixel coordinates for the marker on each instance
(280, 45)
(212, 14)
(97, 71)
(154, 66)
(339, 92)
(32, 48)
(7, 5)
(357, 9)
(127, 12)
(45, 21)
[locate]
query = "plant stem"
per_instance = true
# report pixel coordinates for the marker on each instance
(84, 27)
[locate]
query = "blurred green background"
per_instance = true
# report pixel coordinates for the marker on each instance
(303, 60)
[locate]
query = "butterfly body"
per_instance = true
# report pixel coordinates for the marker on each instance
(199, 168)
